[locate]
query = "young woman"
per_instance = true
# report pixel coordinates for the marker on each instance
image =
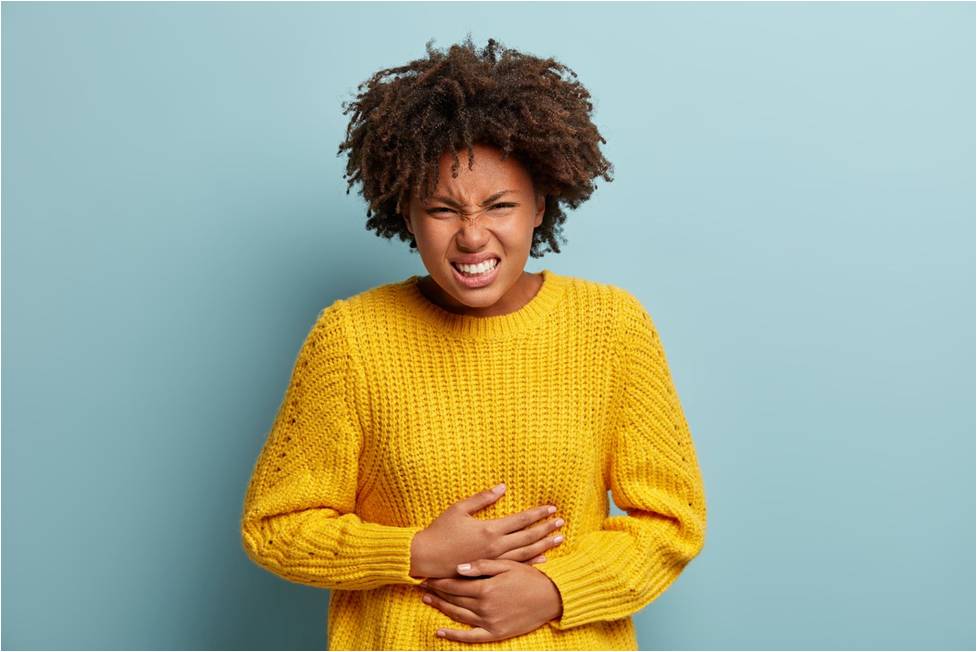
(440, 435)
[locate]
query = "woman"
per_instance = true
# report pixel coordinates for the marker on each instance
(429, 423)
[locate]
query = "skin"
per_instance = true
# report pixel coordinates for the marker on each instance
(510, 598)
(513, 599)
(505, 228)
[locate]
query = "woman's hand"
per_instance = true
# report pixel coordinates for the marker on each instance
(457, 537)
(515, 599)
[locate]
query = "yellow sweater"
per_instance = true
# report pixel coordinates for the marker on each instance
(397, 408)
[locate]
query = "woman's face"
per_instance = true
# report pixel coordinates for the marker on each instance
(500, 209)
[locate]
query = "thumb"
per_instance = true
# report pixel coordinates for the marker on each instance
(482, 499)
(485, 567)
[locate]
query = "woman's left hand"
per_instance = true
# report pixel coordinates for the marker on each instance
(514, 600)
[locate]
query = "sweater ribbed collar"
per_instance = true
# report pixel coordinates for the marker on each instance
(468, 326)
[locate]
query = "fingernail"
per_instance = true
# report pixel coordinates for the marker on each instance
(541, 558)
(499, 488)
(463, 567)
(558, 538)
(441, 632)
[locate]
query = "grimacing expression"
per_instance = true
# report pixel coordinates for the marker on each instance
(491, 209)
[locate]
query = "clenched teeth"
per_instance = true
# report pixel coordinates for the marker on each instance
(480, 268)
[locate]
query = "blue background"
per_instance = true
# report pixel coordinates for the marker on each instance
(793, 202)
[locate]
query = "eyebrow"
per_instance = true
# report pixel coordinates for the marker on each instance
(452, 202)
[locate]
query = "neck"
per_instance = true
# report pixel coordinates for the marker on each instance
(521, 292)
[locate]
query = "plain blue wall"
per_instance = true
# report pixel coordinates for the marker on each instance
(793, 202)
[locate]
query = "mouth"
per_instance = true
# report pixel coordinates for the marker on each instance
(476, 276)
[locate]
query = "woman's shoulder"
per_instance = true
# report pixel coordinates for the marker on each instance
(373, 301)
(590, 293)
(614, 307)
(379, 295)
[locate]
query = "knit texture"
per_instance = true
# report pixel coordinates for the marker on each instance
(397, 408)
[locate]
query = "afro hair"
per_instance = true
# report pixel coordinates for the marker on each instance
(518, 103)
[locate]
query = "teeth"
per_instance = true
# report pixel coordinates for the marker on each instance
(480, 268)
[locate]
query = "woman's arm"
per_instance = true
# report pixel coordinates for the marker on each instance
(614, 572)
(298, 520)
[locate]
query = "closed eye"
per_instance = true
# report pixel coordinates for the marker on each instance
(494, 206)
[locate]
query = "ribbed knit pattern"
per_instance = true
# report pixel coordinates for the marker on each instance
(397, 408)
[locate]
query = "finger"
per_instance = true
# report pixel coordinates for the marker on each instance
(477, 635)
(472, 604)
(453, 611)
(466, 586)
(520, 520)
(525, 554)
(485, 567)
(481, 500)
(532, 550)
(533, 540)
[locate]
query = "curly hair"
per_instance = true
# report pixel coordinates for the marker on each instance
(498, 96)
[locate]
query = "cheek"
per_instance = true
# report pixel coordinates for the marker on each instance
(517, 237)
(431, 238)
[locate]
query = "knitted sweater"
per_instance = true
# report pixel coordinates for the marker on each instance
(397, 408)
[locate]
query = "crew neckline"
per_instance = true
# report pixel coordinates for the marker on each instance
(533, 312)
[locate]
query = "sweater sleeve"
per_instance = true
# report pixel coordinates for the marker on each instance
(298, 518)
(654, 476)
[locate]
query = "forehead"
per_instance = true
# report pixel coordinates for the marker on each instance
(488, 175)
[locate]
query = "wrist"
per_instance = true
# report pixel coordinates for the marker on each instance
(558, 600)
(418, 563)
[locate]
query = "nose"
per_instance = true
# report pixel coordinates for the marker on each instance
(471, 235)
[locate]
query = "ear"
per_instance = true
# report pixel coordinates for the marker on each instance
(406, 216)
(540, 208)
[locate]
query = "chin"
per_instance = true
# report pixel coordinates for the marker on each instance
(474, 297)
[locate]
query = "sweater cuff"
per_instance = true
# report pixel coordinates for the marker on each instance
(389, 547)
(580, 588)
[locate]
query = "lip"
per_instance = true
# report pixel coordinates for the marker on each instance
(474, 259)
(471, 282)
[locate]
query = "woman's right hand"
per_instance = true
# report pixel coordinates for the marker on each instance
(456, 537)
